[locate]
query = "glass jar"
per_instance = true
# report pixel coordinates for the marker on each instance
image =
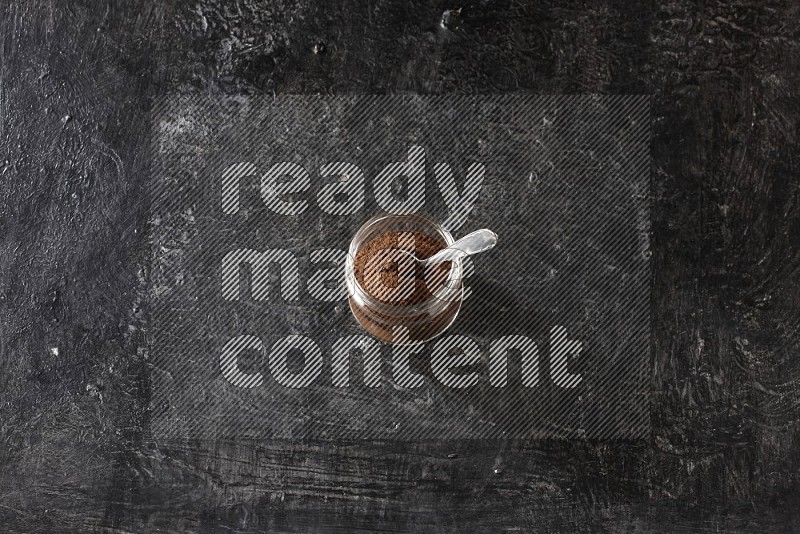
(397, 321)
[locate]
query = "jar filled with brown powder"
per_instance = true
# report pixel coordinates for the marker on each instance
(390, 289)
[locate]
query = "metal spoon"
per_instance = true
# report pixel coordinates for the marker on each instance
(477, 241)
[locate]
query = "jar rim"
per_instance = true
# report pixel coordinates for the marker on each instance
(450, 292)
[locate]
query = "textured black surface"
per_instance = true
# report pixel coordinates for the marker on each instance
(75, 84)
(565, 184)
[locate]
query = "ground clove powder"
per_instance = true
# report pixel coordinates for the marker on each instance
(387, 272)
(420, 312)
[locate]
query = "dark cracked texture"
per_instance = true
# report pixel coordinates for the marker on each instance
(76, 81)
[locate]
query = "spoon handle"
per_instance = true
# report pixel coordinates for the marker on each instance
(477, 241)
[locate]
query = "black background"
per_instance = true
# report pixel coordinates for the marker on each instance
(574, 252)
(76, 81)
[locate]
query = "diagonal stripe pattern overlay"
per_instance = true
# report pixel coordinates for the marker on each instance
(255, 201)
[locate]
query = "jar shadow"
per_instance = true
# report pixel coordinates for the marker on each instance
(514, 410)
